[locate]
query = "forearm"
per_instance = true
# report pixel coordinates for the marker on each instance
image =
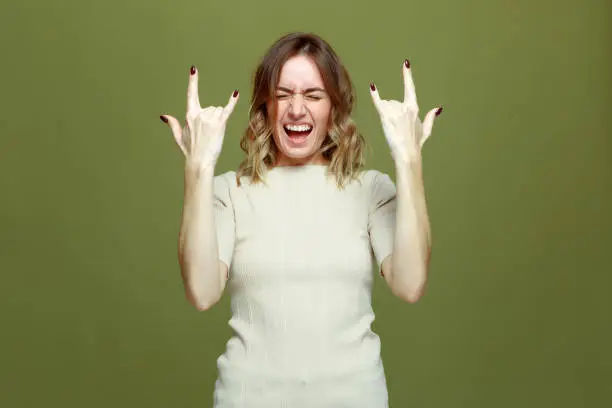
(198, 247)
(412, 243)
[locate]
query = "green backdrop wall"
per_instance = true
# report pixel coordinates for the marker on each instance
(518, 176)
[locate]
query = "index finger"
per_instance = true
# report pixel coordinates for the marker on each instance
(409, 91)
(193, 99)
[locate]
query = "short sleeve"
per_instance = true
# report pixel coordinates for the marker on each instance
(381, 223)
(224, 218)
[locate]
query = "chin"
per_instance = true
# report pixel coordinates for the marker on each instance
(296, 158)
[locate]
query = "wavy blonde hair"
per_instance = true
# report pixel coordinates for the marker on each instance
(344, 145)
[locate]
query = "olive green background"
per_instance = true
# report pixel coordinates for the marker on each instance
(518, 176)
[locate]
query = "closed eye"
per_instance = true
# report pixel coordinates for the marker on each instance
(314, 97)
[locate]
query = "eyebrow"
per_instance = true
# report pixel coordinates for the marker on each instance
(314, 89)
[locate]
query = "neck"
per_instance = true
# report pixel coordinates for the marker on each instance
(317, 160)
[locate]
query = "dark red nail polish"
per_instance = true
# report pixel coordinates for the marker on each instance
(163, 118)
(439, 111)
(407, 63)
(372, 86)
(235, 94)
(192, 70)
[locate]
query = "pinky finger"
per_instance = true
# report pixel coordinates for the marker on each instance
(177, 132)
(375, 97)
(231, 104)
(428, 123)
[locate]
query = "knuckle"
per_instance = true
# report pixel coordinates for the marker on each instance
(191, 116)
(204, 115)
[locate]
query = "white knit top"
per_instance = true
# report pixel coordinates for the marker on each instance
(301, 252)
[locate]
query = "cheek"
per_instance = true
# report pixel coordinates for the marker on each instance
(275, 112)
(323, 115)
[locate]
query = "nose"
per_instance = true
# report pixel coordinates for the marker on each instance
(297, 107)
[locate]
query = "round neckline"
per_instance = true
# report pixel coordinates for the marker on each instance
(297, 168)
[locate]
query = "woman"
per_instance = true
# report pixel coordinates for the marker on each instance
(293, 232)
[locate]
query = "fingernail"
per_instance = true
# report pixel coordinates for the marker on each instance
(193, 69)
(439, 111)
(235, 94)
(407, 63)
(163, 118)
(372, 86)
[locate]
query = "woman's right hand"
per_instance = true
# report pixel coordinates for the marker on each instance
(201, 138)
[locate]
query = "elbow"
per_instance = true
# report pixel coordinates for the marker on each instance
(202, 303)
(202, 306)
(410, 291)
(414, 296)
(410, 295)
(201, 295)
(202, 299)
(410, 287)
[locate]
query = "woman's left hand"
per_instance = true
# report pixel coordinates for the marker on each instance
(402, 127)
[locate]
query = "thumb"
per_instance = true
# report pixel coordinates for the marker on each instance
(177, 132)
(428, 123)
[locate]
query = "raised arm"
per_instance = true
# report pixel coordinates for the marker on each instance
(200, 140)
(405, 270)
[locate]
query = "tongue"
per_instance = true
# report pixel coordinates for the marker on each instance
(298, 136)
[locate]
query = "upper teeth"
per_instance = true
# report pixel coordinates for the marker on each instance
(298, 128)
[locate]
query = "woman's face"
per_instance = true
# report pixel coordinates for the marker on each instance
(303, 113)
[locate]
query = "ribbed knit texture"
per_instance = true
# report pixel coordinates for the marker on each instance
(300, 252)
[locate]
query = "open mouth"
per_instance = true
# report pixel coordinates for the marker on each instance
(298, 133)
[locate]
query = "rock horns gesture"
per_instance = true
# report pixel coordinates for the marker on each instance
(201, 139)
(404, 131)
